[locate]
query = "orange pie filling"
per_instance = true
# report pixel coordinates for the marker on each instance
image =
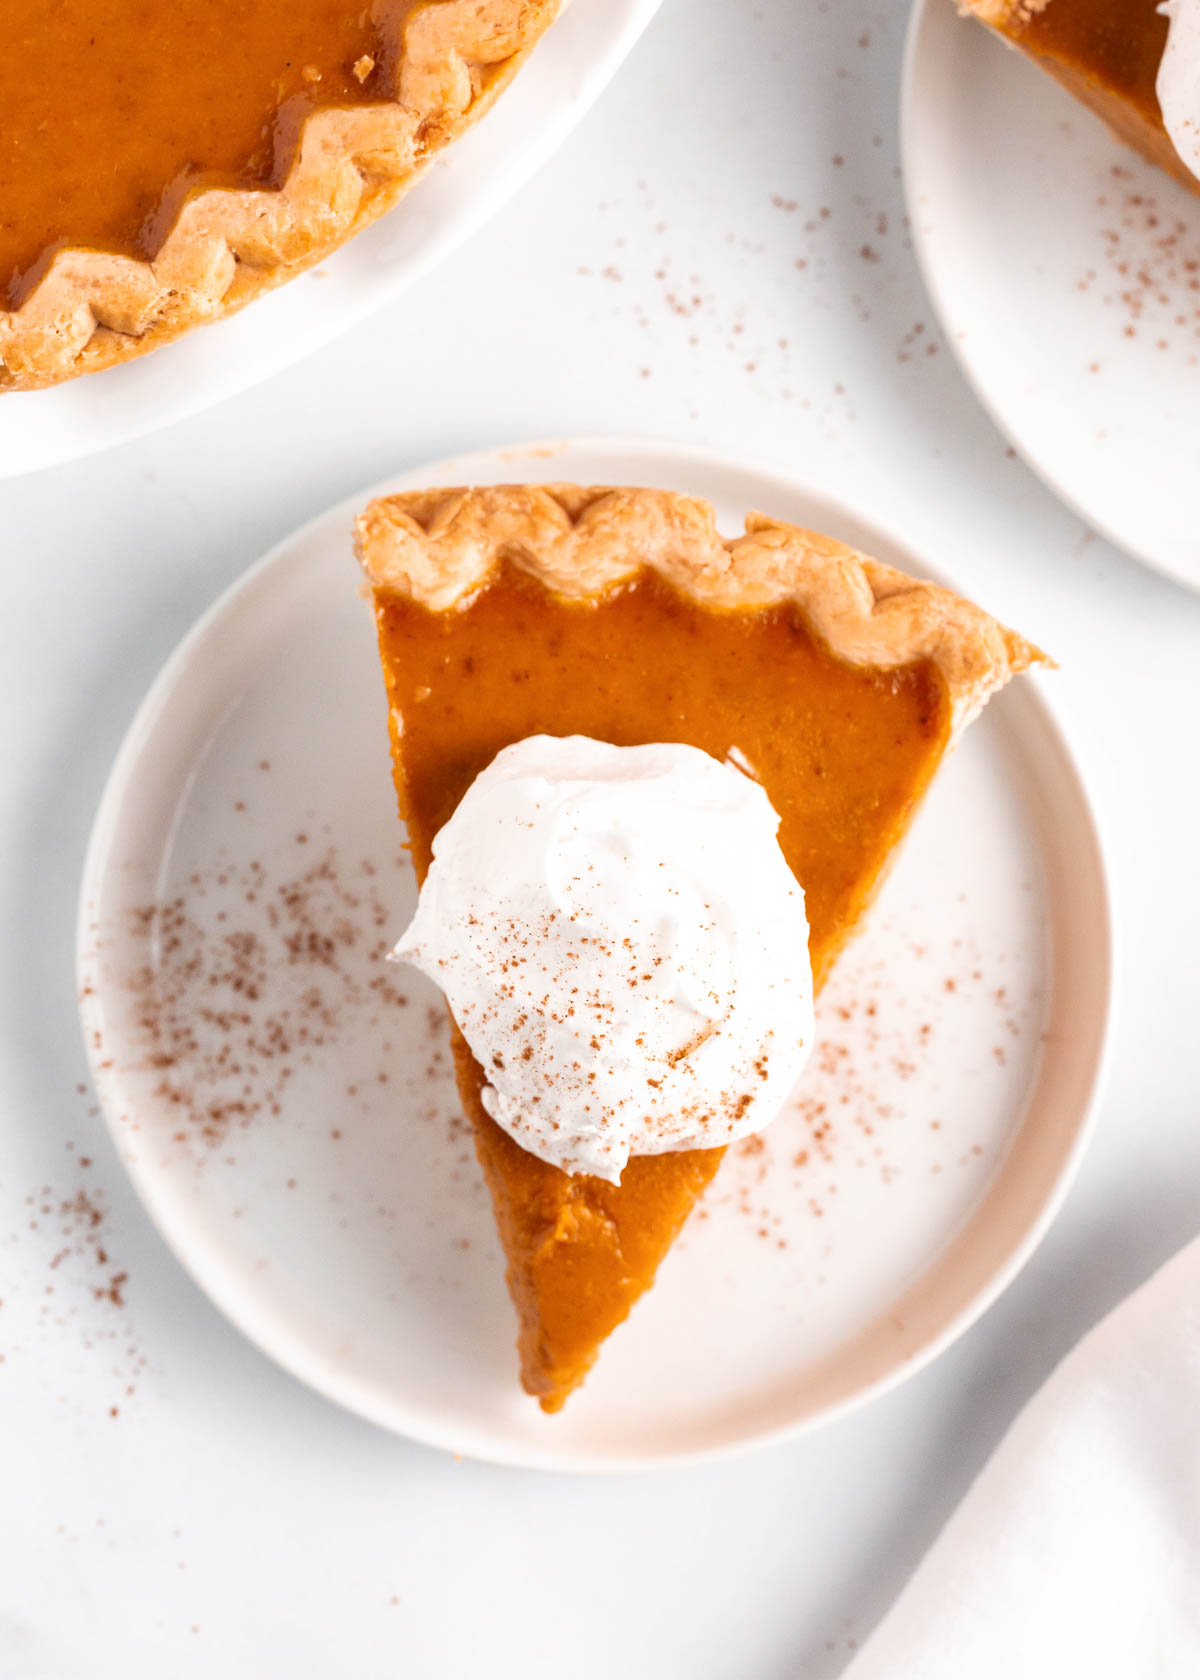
(843, 752)
(1115, 43)
(116, 110)
(165, 162)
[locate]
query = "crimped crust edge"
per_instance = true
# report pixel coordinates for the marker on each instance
(1002, 14)
(438, 547)
(92, 309)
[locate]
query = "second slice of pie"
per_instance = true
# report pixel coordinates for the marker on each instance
(623, 616)
(1130, 61)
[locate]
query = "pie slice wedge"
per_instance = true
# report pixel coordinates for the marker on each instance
(164, 162)
(623, 615)
(1105, 52)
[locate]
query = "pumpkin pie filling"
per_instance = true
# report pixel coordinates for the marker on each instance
(1118, 43)
(165, 162)
(1107, 53)
(844, 754)
(115, 110)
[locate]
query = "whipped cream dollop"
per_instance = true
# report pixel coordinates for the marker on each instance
(1179, 79)
(623, 947)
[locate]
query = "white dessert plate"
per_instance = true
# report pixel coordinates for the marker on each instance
(284, 1103)
(1064, 270)
(555, 90)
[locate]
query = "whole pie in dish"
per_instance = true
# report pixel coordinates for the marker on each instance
(162, 162)
(1108, 53)
(624, 616)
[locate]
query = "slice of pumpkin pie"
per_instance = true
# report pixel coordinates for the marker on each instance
(651, 779)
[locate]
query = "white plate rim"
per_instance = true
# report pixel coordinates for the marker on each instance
(925, 250)
(289, 1351)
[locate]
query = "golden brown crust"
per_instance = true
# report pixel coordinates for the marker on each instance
(438, 547)
(92, 309)
(1002, 14)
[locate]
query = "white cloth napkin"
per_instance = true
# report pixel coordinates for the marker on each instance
(1076, 1555)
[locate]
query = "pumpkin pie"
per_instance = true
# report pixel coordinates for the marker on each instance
(1107, 53)
(163, 162)
(623, 615)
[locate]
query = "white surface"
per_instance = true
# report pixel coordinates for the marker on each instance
(1064, 272)
(296, 1526)
(340, 1224)
(1078, 1551)
(566, 74)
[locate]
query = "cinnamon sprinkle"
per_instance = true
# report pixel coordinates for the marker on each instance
(849, 1107)
(82, 1281)
(1146, 269)
(231, 1001)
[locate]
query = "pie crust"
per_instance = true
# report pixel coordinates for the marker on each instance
(1000, 14)
(439, 546)
(92, 309)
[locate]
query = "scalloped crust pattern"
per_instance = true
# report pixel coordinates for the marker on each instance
(439, 546)
(92, 309)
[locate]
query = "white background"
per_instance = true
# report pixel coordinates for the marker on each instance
(227, 1521)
